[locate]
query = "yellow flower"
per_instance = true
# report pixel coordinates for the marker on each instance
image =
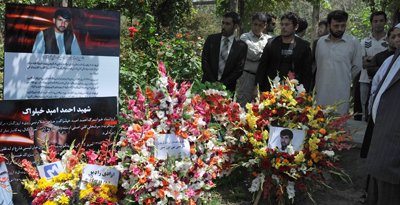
(43, 183)
(252, 120)
(64, 200)
(249, 106)
(265, 134)
(249, 134)
(262, 152)
(29, 185)
(299, 158)
(313, 123)
(310, 163)
(50, 203)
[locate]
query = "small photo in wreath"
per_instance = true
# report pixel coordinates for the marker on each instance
(281, 137)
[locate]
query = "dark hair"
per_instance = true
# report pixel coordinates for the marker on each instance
(338, 15)
(270, 16)
(303, 24)
(259, 16)
(287, 132)
(63, 13)
(323, 22)
(391, 29)
(235, 17)
(377, 13)
(291, 16)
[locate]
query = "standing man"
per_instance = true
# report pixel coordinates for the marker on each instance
(301, 31)
(285, 53)
(382, 139)
(256, 41)
(323, 28)
(224, 55)
(373, 44)
(58, 39)
(271, 24)
(339, 60)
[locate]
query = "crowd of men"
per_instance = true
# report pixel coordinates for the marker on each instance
(336, 61)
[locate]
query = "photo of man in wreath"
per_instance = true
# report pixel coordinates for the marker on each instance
(280, 138)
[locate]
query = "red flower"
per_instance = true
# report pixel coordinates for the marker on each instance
(266, 164)
(303, 118)
(281, 111)
(266, 113)
(302, 187)
(255, 108)
(131, 29)
(142, 2)
(136, 23)
(300, 100)
(258, 136)
(311, 131)
(319, 114)
(321, 143)
(131, 34)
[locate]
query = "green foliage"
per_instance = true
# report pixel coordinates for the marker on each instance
(202, 23)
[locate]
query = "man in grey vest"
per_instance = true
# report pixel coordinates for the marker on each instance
(57, 39)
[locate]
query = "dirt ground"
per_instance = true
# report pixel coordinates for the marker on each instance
(342, 193)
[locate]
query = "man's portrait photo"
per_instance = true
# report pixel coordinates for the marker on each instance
(63, 31)
(281, 138)
(58, 39)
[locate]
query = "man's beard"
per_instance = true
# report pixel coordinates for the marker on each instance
(337, 34)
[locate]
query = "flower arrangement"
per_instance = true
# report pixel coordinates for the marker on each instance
(281, 174)
(60, 189)
(169, 108)
(103, 194)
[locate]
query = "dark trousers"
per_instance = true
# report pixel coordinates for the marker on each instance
(357, 98)
(382, 193)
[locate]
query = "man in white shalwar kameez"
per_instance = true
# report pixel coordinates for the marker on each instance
(339, 60)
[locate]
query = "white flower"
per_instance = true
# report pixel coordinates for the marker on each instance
(290, 149)
(300, 88)
(43, 156)
(274, 177)
(330, 153)
(125, 184)
(290, 189)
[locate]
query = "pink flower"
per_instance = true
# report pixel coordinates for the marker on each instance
(162, 43)
(135, 170)
(199, 38)
(197, 174)
(156, 34)
(162, 68)
(69, 193)
(92, 156)
(113, 160)
(190, 193)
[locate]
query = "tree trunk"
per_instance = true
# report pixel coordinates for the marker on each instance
(395, 17)
(315, 20)
(64, 3)
(234, 5)
(241, 14)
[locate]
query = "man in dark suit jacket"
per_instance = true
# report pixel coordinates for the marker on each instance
(381, 143)
(237, 51)
(285, 53)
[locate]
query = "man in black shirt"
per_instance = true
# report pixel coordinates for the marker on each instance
(285, 53)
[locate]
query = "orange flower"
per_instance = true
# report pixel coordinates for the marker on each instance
(147, 172)
(178, 202)
(206, 135)
(274, 111)
(200, 162)
(148, 135)
(255, 174)
(273, 101)
(150, 95)
(322, 131)
(310, 163)
(313, 155)
(149, 201)
(302, 94)
(152, 160)
(137, 128)
(278, 160)
(285, 161)
(165, 183)
(124, 143)
(142, 180)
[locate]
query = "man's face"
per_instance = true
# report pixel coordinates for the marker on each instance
(257, 27)
(271, 26)
(394, 39)
(61, 24)
(337, 28)
(285, 140)
(228, 28)
(55, 135)
(287, 28)
(322, 30)
(378, 23)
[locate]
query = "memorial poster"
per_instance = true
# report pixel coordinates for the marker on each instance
(56, 52)
(281, 137)
(25, 124)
